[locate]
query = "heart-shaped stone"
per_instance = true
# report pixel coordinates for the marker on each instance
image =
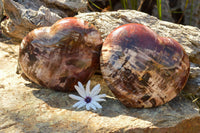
(141, 68)
(59, 56)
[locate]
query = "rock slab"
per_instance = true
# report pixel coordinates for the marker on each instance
(26, 107)
(24, 16)
(187, 36)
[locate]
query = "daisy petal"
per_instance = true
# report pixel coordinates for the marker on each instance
(98, 99)
(75, 97)
(80, 85)
(87, 88)
(96, 104)
(95, 90)
(81, 105)
(93, 106)
(77, 104)
(88, 106)
(80, 91)
(100, 96)
(88, 98)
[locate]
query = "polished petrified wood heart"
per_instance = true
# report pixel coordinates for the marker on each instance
(141, 68)
(59, 56)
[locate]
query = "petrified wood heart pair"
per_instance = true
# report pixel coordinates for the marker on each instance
(141, 68)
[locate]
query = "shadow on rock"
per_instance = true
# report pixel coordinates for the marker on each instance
(111, 108)
(178, 107)
(170, 113)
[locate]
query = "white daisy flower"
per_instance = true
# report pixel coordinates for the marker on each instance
(88, 98)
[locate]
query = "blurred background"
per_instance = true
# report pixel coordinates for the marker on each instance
(186, 12)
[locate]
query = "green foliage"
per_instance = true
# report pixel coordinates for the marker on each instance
(191, 12)
(110, 3)
(159, 9)
(133, 4)
(124, 4)
(94, 5)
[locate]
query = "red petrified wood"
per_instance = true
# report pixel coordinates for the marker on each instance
(141, 68)
(58, 56)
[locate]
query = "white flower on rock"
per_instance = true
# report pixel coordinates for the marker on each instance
(88, 98)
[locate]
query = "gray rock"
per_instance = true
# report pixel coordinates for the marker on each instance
(27, 107)
(1, 10)
(74, 5)
(193, 85)
(27, 15)
(188, 36)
